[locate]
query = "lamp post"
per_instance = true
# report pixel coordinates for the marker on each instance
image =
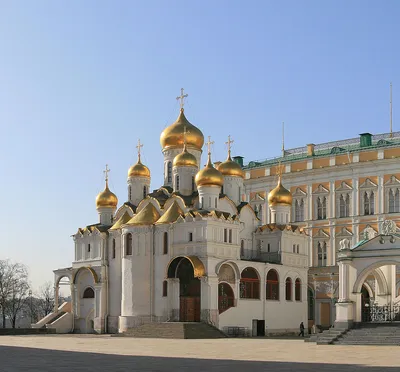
(30, 296)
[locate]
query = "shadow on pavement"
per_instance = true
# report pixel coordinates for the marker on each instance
(19, 359)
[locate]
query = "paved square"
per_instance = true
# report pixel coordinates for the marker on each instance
(103, 353)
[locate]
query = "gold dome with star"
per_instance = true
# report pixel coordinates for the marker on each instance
(106, 199)
(280, 195)
(209, 176)
(172, 136)
(185, 159)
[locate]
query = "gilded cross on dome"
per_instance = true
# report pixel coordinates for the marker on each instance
(139, 146)
(229, 143)
(181, 98)
(106, 171)
(185, 133)
(209, 143)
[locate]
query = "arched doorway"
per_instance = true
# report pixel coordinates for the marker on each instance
(365, 305)
(188, 270)
(226, 297)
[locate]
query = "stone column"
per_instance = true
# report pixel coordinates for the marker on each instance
(355, 198)
(310, 206)
(332, 194)
(173, 298)
(209, 300)
(380, 207)
(56, 304)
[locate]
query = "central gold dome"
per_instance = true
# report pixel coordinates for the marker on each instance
(209, 176)
(231, 168)
(172, 136)
(279, 195)
(106, 199)
(139, 170)
(185, 159)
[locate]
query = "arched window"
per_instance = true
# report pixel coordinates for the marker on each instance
(177, 183)
(321, 247)
(288, 289)
(113, 249)
(321, 208)
(249, 284)
(310, 296)
(344, 205)
(242, 248)
(394, 201)
(192, 183)
(297, 290)
(226, 298)
(298, 248)
(165, 243)
(88, 293)
(169, 172)
(165, 288)
(144, 191)
(369, 203)
(128, 248)
(272, 289)
(299, 210)
(130, 192)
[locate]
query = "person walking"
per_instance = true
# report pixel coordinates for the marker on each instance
(301, 330)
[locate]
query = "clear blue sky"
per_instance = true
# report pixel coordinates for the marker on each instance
(81, 81)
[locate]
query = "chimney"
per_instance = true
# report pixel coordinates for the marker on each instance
(310, 149)
(239, 160)
(365, 139)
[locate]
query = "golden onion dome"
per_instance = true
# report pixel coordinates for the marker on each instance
(138, 170)
(209, 176)
(185, 159)
(106, 199)
(279, 195)
(173, 136)
(230, 168)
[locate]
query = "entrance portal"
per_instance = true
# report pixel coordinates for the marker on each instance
(189, 292)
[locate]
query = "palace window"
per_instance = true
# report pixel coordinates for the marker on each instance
(88, 293)
(288, 289)
(249, 284)
(394, 201)
(169, 172)
(321, 207)
(369, 203)
(272, 289)
(128, 248)
(299, 210)
(297, 290)
(165, 288)
(344, 205)
(321, 250)
(113, 249)
(165, 243)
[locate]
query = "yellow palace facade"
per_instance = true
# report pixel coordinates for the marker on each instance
(342, 189)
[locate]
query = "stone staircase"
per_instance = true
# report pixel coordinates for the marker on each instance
(328, 336)
(175, 330)
(371, 334)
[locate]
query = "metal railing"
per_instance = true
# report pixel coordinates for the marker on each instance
(256, 255)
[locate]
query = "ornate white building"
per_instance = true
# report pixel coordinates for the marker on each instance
(189, 251)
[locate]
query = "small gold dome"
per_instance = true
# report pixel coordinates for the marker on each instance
(279, 195)
(185, 159)
(209, 176)
(172, 136)
(231, 168)
(106, 199)
(138, 170)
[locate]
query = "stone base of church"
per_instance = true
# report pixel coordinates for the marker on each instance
(344, 315)
(128, 322)
(112, 324)
(210, 316)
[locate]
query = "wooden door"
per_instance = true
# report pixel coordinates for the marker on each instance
(189, 309)
(325, 314)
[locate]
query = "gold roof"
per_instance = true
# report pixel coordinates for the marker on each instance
(209, 176)
(185, 159)
(173, 137)
(106, 199)
(147, 216)
(230, 168)
(171, 214)
(121, 221)
(138, 170)
(279, 195)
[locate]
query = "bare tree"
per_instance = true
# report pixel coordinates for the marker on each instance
(46, 297)
(14, 288)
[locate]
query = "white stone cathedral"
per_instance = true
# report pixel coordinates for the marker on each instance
(190, 251)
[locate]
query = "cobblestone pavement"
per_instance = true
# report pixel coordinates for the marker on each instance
(72, 353)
